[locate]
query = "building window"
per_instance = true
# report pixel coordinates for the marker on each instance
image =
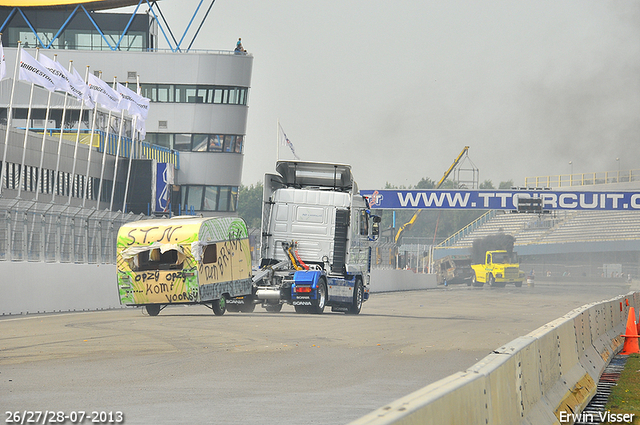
(186, 142)
(184, 93)
(209, 198)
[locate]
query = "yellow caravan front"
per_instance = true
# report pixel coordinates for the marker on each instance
(183, 260)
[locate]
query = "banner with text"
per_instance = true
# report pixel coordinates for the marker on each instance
(501, 199)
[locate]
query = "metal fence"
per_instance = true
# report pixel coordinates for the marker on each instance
(31, 231)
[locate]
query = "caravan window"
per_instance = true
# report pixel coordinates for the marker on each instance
(210, 254)
(155, 260)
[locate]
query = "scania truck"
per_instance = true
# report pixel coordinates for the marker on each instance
(316, 236)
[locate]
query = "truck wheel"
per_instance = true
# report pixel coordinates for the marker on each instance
(317, 305)
(358, 296)
(152, 310)
(219, 306)
(273, 308)
(475, 282)
(248, 307)
(519, 284)
(302, 309)
(494, 284)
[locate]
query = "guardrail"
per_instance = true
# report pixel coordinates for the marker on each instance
(540, 378)
(583, 179)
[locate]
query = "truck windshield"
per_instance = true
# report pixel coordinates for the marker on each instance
(502, 259)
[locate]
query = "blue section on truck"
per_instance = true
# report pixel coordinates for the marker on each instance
(305, 278)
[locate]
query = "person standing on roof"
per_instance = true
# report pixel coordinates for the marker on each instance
(239, 49)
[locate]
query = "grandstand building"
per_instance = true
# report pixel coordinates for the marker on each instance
(566, 244)
(196, 122)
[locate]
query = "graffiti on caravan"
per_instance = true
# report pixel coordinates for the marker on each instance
(501, 200)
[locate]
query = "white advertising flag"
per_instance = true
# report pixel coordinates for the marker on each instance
(103, 94)
(133, 102)
(59, 74)
(75, 80)
(32, 71)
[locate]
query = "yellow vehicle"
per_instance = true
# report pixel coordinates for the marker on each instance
(185, 260)
(498, 269)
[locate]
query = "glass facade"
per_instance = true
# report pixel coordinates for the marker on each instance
(209, 198)
(228, 143)
(187, 93)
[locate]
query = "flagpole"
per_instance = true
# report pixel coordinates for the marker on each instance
(55, 180)
(278, 142)
(133, 144)
(75, 150)
(44, 138)
(115, 166)
(104, 151)
(26, 134)
(4, 177)
(93, 126)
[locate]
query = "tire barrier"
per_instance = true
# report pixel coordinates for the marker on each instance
(536, 379)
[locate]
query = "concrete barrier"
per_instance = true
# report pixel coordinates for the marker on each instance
(51, 287)
(400, 280)
(535, 379)
(37, 287)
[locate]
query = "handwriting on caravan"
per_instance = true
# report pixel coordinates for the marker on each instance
(216, 270)
(152, 234)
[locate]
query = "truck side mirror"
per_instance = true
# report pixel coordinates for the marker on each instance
(375, 227)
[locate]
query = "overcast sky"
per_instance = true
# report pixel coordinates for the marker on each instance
(398, 88)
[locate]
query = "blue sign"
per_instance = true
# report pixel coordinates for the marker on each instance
(164, 180)
(501, 199)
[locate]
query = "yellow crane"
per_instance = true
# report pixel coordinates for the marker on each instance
(408, 225)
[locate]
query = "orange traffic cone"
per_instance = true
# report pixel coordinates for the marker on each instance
(631, 335)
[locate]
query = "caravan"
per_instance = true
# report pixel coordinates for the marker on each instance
(185, 260)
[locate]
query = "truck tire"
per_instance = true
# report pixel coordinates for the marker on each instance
(248, 307)
(152, 310)
(317, 305)
(493, 283)
(358, 297)
(219, 306)
(519, 284)
(302, 309)
(474, 281)
(273, 308)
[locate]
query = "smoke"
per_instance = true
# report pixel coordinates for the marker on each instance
(495, 242)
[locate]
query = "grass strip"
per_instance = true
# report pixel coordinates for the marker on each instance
(625, 396)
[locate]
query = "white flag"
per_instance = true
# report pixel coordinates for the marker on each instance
(59, 74)
(141, 128)
(103, 94)
(3, 62)
(31, 70)
(284, 141)
(75, 80)
(133, 102)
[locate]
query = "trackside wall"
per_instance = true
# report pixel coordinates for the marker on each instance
(36, 287)
(530, 380)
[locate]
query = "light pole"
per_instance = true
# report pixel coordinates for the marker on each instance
(571, 175)
(618, 178)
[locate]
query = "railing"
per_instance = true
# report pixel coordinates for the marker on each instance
(51, 233)
(139, 149)
(451, 240)
(584, 179)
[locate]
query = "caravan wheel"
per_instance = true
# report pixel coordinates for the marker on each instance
(219, 306)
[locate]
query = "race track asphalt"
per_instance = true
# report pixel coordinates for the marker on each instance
(188, 366)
